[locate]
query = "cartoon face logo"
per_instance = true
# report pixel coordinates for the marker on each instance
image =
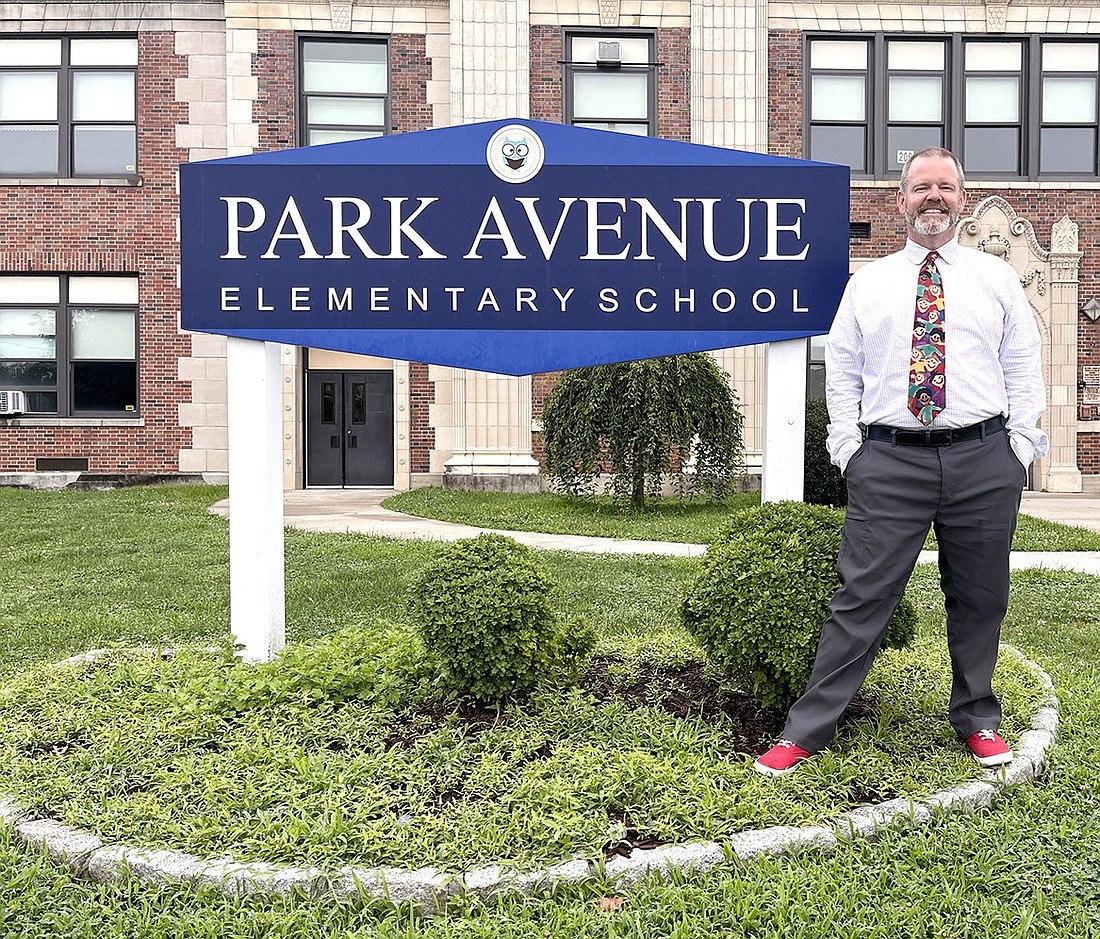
(515, 153)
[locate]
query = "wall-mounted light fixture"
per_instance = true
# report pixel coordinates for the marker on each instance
(1092, 309)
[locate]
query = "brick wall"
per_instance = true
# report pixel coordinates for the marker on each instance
(410, 71)
(276, 106)
(1041, 207)
(120, 229)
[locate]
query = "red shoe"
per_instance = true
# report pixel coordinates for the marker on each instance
(988, 748)
(785, 757)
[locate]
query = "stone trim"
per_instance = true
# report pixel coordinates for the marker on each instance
(89, 856)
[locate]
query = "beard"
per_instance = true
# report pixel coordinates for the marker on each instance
(936, 225)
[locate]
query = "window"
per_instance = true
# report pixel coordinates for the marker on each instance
(344, 90)
(1068, 138)
(1009, 107)
(610, 82)
(70, 343)
(68, 107)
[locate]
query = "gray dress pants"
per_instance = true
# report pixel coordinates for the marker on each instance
(970, 493)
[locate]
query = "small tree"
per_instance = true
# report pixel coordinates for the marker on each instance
(645, 420)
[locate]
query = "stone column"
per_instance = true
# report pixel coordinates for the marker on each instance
(1063, 474)
(729, 73)
(729, 68)
(490, 65)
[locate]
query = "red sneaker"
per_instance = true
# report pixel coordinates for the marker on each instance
(988, 748)
(785, 757)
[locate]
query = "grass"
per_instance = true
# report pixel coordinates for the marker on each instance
(694, 521)
(85, 569)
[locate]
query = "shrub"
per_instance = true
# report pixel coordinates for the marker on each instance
(823, 483)
(482, 611)
(759, 602)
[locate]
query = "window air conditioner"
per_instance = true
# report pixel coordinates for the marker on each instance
(609, 52)
(12, 402)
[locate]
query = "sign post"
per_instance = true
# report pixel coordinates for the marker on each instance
(783, 475)
(256, 581)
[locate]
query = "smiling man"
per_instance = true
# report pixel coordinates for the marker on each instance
(926, 436)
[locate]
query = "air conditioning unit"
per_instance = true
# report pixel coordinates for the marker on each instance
(12, 403)
(609, 52)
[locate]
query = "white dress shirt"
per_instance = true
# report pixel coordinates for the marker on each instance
(991, 340)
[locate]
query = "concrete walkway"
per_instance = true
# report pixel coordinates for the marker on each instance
(360, 510)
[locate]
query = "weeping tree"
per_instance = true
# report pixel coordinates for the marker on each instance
(642, 422)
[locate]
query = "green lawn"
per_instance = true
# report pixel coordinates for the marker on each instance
(86, 569)
(695, 521)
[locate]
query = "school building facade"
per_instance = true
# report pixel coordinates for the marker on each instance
(101, 102)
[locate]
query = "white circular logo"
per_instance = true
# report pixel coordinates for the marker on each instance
(515, 153)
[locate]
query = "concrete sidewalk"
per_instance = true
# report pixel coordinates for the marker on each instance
(360, 510)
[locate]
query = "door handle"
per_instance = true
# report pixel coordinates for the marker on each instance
(351, 442)
(334, 442)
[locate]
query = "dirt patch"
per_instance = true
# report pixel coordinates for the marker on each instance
(689, 691)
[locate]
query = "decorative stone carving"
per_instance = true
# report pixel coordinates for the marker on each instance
(609, 12)
(1063, 236)
(1038, 277)
(996, 17)
(995, 228)
(340, 11)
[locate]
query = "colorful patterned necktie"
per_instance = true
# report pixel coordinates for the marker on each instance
(928, 365)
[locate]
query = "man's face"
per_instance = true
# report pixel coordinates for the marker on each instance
(933, 200)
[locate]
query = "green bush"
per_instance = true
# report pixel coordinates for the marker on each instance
(823, 483)
(482, 611)
(758, 604)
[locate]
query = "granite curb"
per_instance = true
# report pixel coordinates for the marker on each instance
(88, 856)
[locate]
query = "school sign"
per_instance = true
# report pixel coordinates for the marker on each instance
(513, 246)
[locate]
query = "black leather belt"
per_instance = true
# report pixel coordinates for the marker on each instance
(934, 438)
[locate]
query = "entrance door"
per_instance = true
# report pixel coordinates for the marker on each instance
(349, 428)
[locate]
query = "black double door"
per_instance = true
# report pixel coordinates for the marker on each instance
(349, 428)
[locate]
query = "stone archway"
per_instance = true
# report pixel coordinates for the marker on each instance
(1050, 280)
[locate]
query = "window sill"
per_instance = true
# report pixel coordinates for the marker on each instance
(129, 182)
(72, 421)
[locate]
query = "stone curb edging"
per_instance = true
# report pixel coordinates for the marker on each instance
(89, 856)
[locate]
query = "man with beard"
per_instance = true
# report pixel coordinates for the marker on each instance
(959, 468)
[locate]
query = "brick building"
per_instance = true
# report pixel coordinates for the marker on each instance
(100, 103)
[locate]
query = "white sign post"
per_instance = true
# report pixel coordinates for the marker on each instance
(257, 614)
(783, 475)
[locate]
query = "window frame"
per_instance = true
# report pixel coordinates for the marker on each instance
(955, 120)
(570, 68)
(66, 122)
(63, 358)
(301, 98)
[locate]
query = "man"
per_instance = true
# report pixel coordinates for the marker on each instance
(911, 463)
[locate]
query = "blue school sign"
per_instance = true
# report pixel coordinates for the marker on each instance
(513, 246)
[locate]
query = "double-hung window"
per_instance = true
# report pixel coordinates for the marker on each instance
(1068, 138)
(343, 89)
(69, 342)
(610, 81)
(1010, 108)
(68, 107)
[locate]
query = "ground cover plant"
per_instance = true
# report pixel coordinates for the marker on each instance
(69, 580)
(692, 520)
